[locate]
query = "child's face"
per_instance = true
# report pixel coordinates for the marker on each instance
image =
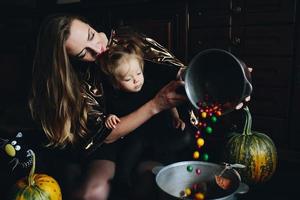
(129, 75)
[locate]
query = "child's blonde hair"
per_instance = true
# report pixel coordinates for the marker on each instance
(117, 54)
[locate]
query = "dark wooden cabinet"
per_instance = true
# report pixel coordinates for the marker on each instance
(162, 22)
(209, 25)
(210, 37)
(266, 31)
(262, 34)
(207, 13)
(265, 12)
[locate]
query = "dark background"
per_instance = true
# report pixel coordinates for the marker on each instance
(262, 33)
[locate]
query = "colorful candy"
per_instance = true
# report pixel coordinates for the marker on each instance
(205, 156)
(198, 171)
(196, 155)
(200, 142)
(203, 120)
(189, 168)
(199, 196)
(187, 191)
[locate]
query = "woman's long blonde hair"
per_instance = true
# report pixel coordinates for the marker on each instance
(56, 100)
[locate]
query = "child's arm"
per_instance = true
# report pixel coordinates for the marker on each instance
(177, 122)
(111, 121)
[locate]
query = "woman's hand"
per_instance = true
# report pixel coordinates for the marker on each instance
(240, 105)
(167, 97)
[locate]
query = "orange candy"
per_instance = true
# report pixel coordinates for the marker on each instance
(196, 155)
(199, 196)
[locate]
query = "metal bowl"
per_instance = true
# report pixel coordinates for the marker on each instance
(173, 179)
(221, 76)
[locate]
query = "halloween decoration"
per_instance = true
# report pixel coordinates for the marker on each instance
(253, 149)
(17, 152)
(36, 186)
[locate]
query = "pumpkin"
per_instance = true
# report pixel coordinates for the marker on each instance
(36, 186)
(253, 149)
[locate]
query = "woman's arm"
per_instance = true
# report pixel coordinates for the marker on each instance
(166, 98)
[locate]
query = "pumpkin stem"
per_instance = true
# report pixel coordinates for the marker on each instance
(248, 123)
(31, 173)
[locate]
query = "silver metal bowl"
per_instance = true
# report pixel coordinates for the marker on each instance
(221, 76)
(173, 179)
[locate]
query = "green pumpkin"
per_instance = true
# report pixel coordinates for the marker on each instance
(36, 187)
(253, 149)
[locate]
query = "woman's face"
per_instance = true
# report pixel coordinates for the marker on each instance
(84, 42)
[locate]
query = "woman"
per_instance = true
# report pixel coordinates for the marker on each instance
(68, 100)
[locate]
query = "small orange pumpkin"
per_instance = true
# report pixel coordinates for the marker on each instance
(36, 186)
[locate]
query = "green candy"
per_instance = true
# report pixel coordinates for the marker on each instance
(214, 119)
(208, 130)
(205, 156)
(189, 168)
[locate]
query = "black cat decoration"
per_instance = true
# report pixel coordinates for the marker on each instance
(17, 151)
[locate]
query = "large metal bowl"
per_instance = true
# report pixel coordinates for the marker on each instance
(221, 76)
(173, 179)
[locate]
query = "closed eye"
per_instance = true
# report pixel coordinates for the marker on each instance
(81, 54)
(91, 35)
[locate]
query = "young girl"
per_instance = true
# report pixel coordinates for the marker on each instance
(123, 64)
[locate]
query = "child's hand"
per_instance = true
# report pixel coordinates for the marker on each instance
(178, 123)
(112, 121)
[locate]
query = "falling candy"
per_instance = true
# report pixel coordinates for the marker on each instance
(208, 130)
(200, 142)
(205, 156)
(214, 119)
(203, 120)
(197, 135)
(196, 155)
